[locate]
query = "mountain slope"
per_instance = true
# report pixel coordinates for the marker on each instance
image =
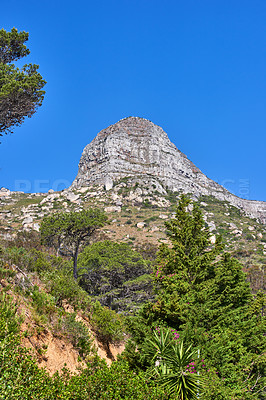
(135, 147)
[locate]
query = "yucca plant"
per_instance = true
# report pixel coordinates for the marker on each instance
(173, 365)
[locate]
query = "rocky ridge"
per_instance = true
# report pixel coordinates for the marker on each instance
(135, 147)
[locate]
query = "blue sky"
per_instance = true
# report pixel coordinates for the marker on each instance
(196, 68)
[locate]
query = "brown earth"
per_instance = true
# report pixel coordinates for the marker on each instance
(51, 351)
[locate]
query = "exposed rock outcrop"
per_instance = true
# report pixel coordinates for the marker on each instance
(135, 147)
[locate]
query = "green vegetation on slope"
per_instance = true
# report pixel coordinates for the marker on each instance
(202, 294)
(20, 377)
(203, 320)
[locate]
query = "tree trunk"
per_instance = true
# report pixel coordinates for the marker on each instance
(75, 262)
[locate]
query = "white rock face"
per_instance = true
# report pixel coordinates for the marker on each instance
(135, 147)
(163, 216)
(212, 226)
(4, 192)
(112, 209)
(27, 220)
(108, 184)
(251, 228)
(237, 232)
(36, 227)
(72, 197)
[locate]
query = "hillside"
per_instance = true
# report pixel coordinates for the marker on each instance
(201, 298)
(133, 171)
(137, 214)
(55, 313)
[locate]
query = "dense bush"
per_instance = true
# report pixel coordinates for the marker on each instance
(77, 333)
(63, 286)
(107, 324)
(111, 272)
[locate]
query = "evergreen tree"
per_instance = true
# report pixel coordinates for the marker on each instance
(70, 230)
(202, 293)
(20, 89)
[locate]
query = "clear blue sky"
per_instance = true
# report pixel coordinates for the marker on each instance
(196, 68)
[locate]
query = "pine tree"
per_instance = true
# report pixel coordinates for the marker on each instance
(21, 90)
(70, 230)
(202, 293)
(186, 266)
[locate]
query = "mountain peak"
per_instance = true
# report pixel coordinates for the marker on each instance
(136, 147)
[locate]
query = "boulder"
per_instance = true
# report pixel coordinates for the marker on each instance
(111, 209)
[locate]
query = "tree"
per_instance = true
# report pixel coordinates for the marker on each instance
(20, 89)
(202, 293)
(115, 273)
(70, 230)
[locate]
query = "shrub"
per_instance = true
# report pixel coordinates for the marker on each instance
(107, 324)
(64, 287)
(78, 334)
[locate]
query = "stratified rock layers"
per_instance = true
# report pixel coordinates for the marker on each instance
(135, 147)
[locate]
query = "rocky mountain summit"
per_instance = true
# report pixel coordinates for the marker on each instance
(138, 149)
(135, 174)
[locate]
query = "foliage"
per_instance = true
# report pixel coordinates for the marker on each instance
(9, 323)
(70, 230)
(111, 270)
(115, 383)
(43, 302)
(174, 364)
(77, 333)
(203, 294)
(64, 287)
(20, 377)
(34, 260)
(107, 324)
(20, 90)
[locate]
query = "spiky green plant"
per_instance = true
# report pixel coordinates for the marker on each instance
(173, 365)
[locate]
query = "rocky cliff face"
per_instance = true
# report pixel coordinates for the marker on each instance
(135, 147)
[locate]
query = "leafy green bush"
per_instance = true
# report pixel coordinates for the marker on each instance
(43, 302)
(77, 333)
(107, 324)
(33, 260)
(107, 268)
(114, 383)
(63, 286)
(9, 323)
